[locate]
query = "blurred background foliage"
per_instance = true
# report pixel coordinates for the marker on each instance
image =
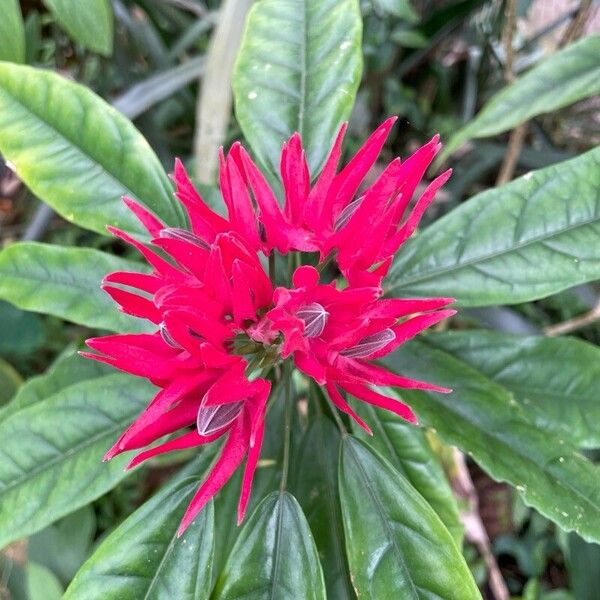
(166, 64)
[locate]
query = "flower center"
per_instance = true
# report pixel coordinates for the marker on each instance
(370, 344)
(314, 317)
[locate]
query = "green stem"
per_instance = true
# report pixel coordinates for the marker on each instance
(272, 266)
(287, 382)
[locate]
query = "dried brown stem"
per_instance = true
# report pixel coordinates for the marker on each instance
(577, 25)
(571, 325)
(474, 528)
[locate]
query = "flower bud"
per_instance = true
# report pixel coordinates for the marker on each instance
(314, 317)
(370, 344)
(213, 418)
(176, 233)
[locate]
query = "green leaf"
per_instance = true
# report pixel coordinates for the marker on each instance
(42, 584)
(90, 23)
(407, 449)
(86, 154)
(315, 487)
(22, 332)
(557, 81)
(396, 544)
(63, 546)
(65, 283)
(534, 237)
(555, 380)
(274, 556)
(485, 421)
(67, 369)
(12, 32)
(298, 69)
(144, 558)
(583, 565)
(51, 452)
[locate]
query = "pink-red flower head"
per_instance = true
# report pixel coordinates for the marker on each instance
(219, 324)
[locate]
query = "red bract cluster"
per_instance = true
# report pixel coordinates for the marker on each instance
(220, 327)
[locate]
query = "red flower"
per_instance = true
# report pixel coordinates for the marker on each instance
(200, 302)
(335, 334)
(217, 318)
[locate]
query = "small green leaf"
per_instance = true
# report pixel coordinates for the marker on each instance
(407, 448)
(51, 452)
(10, 381)
(86, 154)
(298, 69)
(144, 558)
(274, 556)
(396, 544)
(534, 237)
(42, 584)
(90, 23)
(315, 487)
(399, 8)
(484, 420)
(12, 32)
(557, 81)
(555, 380)
(65, 283)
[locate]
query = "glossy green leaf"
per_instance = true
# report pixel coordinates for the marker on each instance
(144, 558)
(396, 544)
(555, 380)
(67, 369)
(12, 32)
(65, 283)
(298, 69)
(77, 153)
(274, 556)
(484, 420)
(561, 79)
(89, 22)
(526, 240)
(315, 487)
(51, 452)
(407, 448)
